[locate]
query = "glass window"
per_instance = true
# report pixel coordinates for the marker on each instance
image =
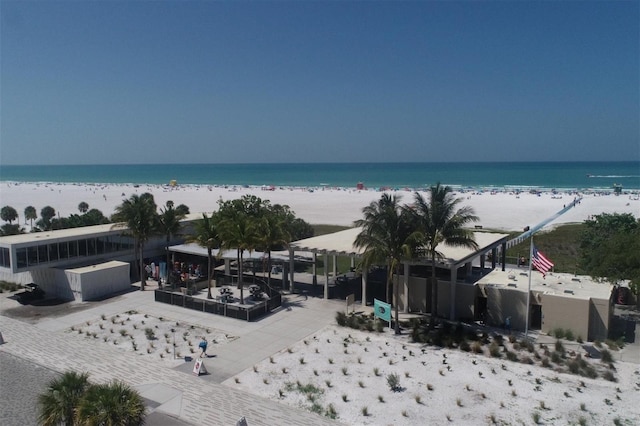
(53, 252)
(22, 257)
(100, 243)
(73, 249)
(82, 248)
(63, 249)
(43, 254)
(32, 255)
(91, 247)
(5, 259)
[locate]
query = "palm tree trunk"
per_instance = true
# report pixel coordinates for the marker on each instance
(397, 299)
(434, 292)
(168, 259)
(142, 277)
(269, 268)
(240, 276)
(209, 274)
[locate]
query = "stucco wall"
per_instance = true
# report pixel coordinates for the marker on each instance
(94, 284)
(505, 302)
(559, 311)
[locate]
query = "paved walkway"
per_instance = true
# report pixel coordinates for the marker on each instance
(176, 392)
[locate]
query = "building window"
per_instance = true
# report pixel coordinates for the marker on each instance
(43, 254)
(53, 252)
(91, 247)
(73, 249)
(63, 249)
(5, 258)
(82, 248)
(32, 255)
(21, 254)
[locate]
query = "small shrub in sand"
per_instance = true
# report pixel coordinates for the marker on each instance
(393, 380)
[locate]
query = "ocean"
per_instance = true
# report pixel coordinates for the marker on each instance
(487, 175)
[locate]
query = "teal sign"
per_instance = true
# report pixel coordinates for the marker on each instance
(382, 310)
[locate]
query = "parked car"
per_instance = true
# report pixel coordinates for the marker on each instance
(31, 292)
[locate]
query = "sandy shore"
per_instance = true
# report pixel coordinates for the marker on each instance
(506, 211)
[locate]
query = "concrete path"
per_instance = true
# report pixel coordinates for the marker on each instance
(175, 391)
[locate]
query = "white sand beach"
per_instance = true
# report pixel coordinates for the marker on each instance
(506, 211)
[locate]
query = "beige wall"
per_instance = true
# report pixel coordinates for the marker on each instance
(465, 301)
(559, 311)
(506, 302)
(599, 315)
(419, 301)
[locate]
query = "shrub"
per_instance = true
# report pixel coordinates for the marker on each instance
(149, 333)
(558, 333)
(559, 346)
(393, 380)
(512, 356)
(569, 335)
(341, 319)
(494, 350)
(365, 411)
(476, 348)
(381, 398)
(606, 356)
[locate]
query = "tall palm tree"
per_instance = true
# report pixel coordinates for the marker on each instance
(30, 214)
(440, 221)
(239, 232)
(169, 224)
(271, 232)
(138, 217)
(206, 234)
(112, 404)
(83, 207)
(387, 237)
(57, 405)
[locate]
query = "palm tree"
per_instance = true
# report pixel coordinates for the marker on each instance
(139, 218)
(270, 233)
(57, 405)
(30, 214)
(111, 404)
(169, 223)
(206, 235)
(83, 207)
(8, 214)
(387, 237)
(441, 222)
(239, 232)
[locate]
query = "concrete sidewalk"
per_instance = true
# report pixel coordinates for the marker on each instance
(175, 392)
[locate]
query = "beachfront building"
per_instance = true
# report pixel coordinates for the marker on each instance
(471, 288)
(78, 263)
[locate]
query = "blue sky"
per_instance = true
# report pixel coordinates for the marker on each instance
(106, 82)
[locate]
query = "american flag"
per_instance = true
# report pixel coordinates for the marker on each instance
(540, 262)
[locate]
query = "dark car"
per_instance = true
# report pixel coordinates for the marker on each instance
(31, 292)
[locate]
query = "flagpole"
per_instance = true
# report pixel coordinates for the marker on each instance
(526, 323)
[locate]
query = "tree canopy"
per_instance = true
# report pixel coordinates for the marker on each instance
(609, 248)
(8, 214)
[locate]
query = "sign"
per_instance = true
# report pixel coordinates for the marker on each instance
(382, 310)
(351, 299)
(199, 368)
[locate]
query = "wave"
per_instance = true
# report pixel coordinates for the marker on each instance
(614, 176)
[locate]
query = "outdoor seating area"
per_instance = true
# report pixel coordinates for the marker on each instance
(226, 302)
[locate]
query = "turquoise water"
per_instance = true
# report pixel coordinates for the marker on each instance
(559, 175)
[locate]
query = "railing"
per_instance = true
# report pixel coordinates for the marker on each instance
(248, 313)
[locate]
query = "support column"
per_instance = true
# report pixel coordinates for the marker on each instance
(364, 287)
(503, 257)
(494, 254)
(326, 276)
(291, 267)
(315, 268)
(335, 266)
(452, 303)
(227, 267)
(482, 259)
(405, 283)
(353, 262)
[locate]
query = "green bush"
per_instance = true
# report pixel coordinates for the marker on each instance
(393, 380)
(341, 319)
(494, 350)
(568, 334)
(606, 356)
(558, 333)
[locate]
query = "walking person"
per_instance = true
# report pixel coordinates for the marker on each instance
(203, 347)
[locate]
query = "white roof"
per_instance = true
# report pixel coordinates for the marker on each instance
(99, 267)
(559, 284)
(342, 243)
(198, 250)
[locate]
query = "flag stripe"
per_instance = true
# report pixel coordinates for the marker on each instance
(540, 262)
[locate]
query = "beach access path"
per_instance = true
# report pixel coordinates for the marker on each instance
(173, 391)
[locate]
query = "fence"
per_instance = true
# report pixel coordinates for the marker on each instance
(249, 313)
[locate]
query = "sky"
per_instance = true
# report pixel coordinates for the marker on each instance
(130, 82)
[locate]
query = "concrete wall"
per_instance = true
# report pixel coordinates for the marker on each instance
(599, 319)
(506, 302)
(559, 311)
(465, 301)
(102, 281)
(418, 295)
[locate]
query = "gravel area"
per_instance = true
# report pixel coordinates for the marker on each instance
(22, 382)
